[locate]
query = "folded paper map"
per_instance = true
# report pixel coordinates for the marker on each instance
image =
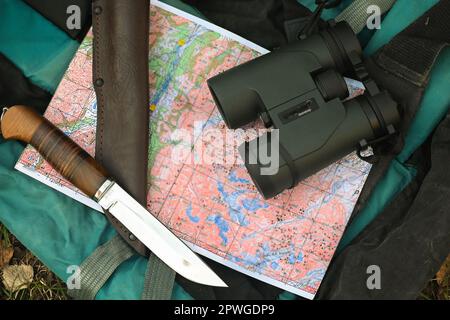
(198, 186)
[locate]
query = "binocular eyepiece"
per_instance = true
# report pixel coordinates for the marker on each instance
(300, 90)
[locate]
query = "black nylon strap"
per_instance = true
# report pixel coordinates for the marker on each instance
(412, 53)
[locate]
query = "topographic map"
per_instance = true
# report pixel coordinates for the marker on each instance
(211, 203)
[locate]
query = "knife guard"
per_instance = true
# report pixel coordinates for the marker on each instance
(120, 77)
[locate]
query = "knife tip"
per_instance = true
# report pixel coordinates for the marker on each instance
(221, 284)
(215, 281)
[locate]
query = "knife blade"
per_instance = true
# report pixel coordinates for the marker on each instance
(22, 123)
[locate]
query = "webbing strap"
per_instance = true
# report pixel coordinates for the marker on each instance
(99, 266)
(413, 52)
(356, 13)
(159, 280)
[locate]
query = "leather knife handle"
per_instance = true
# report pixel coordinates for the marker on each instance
(65, 156)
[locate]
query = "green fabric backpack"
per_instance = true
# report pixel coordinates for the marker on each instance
(62, 232)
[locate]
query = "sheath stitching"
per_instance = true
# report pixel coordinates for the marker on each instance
(99, 90)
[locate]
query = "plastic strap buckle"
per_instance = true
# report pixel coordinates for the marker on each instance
(365, 148)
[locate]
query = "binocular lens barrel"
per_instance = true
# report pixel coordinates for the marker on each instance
(237, 107)
(366, 118)
(331, 85)
(341, 41)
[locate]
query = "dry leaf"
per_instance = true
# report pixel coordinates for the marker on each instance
(17, 277)
(6, 255)
(445, 270)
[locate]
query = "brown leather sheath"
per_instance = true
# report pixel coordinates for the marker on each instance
(120, 78)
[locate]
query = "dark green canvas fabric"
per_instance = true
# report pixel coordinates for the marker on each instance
(62, 232)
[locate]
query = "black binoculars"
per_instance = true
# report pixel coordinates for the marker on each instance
(300, 90)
